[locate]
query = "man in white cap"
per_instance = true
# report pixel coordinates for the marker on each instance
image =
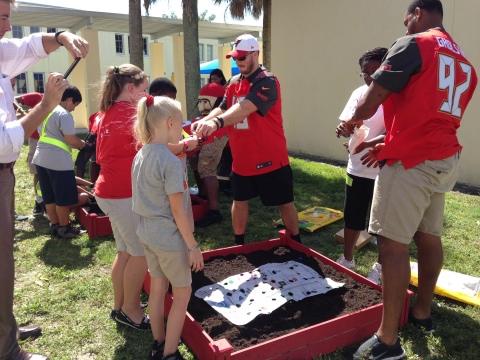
(252, 111)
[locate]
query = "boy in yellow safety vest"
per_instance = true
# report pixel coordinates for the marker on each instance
(55, 169)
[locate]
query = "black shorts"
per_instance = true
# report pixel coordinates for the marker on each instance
(58, 187)
(274, 188)
(358, 198)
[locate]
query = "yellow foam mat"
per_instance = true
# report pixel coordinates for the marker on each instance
(315, 218)
(457, 286)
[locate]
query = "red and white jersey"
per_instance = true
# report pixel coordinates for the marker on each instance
(257, 143)
(432, 83)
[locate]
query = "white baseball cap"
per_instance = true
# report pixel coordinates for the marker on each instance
(243, 45)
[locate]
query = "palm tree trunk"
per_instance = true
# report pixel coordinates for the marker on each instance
(267, 33)
(135, 29)
(191, 56)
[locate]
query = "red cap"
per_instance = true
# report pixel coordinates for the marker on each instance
(212, 89)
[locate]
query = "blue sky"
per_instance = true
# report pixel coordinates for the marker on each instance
(161, 7)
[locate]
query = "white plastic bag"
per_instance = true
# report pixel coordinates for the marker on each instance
(359, 136)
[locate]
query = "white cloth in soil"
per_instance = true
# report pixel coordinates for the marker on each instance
(240, 298)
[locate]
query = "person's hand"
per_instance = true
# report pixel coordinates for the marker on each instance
(362, 146)
(370, 158)
(354, 123)
(343, 129)
(54, 88)
(76, 45)
(204, 128)
(192, 142)
(196, 260)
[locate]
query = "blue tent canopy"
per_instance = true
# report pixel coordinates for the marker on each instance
(207, 67)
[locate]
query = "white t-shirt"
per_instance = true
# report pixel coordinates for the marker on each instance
(376, 125)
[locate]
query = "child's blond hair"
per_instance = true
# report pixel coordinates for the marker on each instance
(161, 109)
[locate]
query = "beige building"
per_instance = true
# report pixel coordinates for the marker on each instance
(107, 34)
(315, 50)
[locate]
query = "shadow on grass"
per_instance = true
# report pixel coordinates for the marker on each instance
(71, 254)
(37, 226)
(136, 346)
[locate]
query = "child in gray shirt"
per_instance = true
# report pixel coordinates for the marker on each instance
(160, 197)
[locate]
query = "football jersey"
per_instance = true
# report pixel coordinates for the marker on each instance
(258, 142)
(431, 83)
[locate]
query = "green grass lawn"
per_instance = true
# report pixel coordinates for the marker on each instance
(65, 285)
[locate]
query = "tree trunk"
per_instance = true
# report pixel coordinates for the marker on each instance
(191, 56)
(135, 42)
(267, 33)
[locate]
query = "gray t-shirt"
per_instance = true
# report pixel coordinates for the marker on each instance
(156, 174)
(50, 156)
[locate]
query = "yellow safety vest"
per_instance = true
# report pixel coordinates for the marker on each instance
(49, 140)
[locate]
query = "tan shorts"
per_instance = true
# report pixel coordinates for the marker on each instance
(206, 161)
(124, 224)
(172, 265)
(407, 201)
(32, 146)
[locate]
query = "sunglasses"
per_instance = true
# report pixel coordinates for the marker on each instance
(241, 58)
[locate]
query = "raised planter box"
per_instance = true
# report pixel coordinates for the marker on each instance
(95, 225)
(199, 207)
(320, 339)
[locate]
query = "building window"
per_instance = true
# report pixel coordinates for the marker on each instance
(200, 51)
(145, 46)
(21, 85)
(119, 44)
(34, 29)
(17, 32)
(209, 52)
(51, 30)
(38, 82)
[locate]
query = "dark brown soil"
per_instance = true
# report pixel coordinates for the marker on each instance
(292, 316)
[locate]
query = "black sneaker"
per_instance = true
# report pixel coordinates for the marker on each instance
(175, 356)
(53, 229)
(69, 232)
(156, 352)
(113, 314)
(37, 209)
(125, 320)
(375, 349)
(424, 324)
(210, 218)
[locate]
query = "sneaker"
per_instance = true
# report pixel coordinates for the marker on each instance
(20, 217)
(125, 320)
(113, 314)
(156, 353)
(53, 229)
(375, 349)
(69, 232)
(37, 209)
(210, 218)
(175, 356)
(344, 262)
(376, 274)
(424, 324)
